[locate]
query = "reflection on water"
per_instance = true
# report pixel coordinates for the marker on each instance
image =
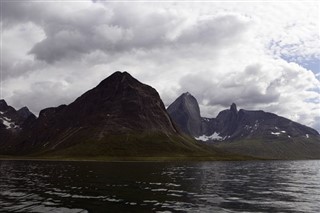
(256, 186)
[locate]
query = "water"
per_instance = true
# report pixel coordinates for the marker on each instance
(255, 186)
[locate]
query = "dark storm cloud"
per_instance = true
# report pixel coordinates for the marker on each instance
(19, 68)
(113, 29)
(21, 12)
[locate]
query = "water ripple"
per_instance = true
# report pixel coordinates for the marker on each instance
(257, 186)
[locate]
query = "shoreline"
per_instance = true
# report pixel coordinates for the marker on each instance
(126, 159)
(139, 159)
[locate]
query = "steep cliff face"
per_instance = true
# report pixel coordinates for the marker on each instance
(185, 112)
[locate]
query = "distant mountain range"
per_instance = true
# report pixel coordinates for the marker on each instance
(254, 133)
(122, 118)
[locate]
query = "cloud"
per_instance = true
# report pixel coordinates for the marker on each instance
(16, 42)
(120, 28)
(39, 92)
(246, 53)
(221, 30)
(283, 89)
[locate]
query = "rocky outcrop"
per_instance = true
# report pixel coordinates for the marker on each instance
(185, 112)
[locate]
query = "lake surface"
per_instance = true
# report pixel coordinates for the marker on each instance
(254, 186)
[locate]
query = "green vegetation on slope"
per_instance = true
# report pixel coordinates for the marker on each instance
(134, 146)
(297, 148)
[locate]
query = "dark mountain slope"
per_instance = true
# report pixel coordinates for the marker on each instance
(13, 122)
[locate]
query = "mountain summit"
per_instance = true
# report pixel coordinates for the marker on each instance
(120, 103)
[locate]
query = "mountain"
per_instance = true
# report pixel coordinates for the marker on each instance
(12, 122)
(121, 117)
(248, 124)
(255, 133)
(185, 111)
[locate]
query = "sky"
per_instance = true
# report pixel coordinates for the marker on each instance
(258, 54)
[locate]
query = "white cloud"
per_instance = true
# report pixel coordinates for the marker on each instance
(220, 52)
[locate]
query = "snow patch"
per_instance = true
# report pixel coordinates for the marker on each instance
(278, 133)
(8, 119)
(1, 113)
(247, 127)
(275, 133)
(307, 135)
(214, 136)
(256, 125)
(8, 124)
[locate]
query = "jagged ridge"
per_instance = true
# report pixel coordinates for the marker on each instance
(272, 136)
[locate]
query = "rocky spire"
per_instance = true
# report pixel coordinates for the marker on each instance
(233, 108)
(186, 112)
(3, 104)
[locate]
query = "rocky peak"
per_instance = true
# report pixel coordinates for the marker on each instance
(118, 78)
(185, 109)
(3, 104)
(186, 94)
(24, 112)
(186, 102)
(233, 108)
(187, 97)
(14, 121)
